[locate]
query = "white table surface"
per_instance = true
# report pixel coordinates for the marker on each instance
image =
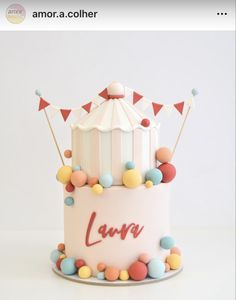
(25, 270)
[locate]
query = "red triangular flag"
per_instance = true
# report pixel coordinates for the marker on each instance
(104, 94)
(156, 107)
(136, 97)
(87, 107)
(65, 113)
(180, 107)
(43, 104)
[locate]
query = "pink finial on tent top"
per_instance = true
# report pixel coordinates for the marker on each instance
(115, 90)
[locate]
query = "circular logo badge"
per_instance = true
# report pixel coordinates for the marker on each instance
(15, 13)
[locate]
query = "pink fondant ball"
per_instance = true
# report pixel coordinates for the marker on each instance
(163, 155)
(144, 258)
(68, 153)
(78, 178)
(168, 171)
(92, 181)
(79, 263)
(61, 247)
(101, 267)
(167, 267)
(175, 250)
(111, 273)
(69, 187)
(138, 271)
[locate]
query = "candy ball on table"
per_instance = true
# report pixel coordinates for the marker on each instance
(132, 178)
(168, 171)
(124, 275)
(97, 189)
(68, 266)
(64, 174)
(106, 180)
(154, 175)
(163, 155)
(111, 273)
(167, 242)
(138, 271)
(174, 260)
(85, 272)
(92, 181)
(79, 178)
(68, 153)
(156, 268)
(55, 255)
(69, 187)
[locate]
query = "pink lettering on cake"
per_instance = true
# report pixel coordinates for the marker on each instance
(104, 231)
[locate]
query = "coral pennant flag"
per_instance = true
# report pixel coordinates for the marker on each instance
(156, 107)
(87, 107)
(136, 97)
(179, 106)
(65, 113)
(43, 104)
(104, 94)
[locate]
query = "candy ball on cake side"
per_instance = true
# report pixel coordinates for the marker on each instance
(130, 165)
(175, 250)
(69, 187)
(97, 189)
(168, 171)
(124, 275)
(85, 272)
(68, 153)
(106, 180)
(138, 271)
(101, 275)
(68, 266)
(111, 273)
(79, 263)
(69, 201)
(92, 181)
(55, 255)
(132, 178)
(79, 178)
(163, 155)
(174, 260)
(64, 174)
(156, 268)
(154, 175)
(167, 242)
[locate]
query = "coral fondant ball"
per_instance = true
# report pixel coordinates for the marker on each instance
(154, 175)
(68, 266)
(68, 153)
(174, 260)
(167, 242)
(168, 171)
(132, 178)
(106, 180)
(138, 271)
(163, 155)
(78, 178)
(79, 263)
(64, 174)
(55, 255)
(97, 189)
(85, 272)
(69, 187)
(175, 250)
(124, 275)
(145, 258)
(61, 247)
(156, 268)
(92, 181)
(111, 273)
(101, 267)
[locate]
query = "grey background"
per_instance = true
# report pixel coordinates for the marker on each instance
(70, 68)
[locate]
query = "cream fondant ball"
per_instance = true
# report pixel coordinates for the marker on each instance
(115, 88)
(132, 178)
(64, 174)
(164, 155)
(174, 260)
(79, 178)
(124, 275)
(85, 272)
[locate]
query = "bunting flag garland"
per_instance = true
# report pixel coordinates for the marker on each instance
(156, 107)
(179, 106)
(65, 113)
(104, 94)
(87, 107)
(136, 97)
(42, 104)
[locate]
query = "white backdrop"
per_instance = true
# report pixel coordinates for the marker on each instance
(70, 68)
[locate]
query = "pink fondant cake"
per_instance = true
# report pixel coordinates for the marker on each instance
(116, 195)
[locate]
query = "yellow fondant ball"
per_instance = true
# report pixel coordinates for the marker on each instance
(62, 256)
(149, 184)
(84, 272)
(132, 178)
(97, 189)
(174, 261)
(64, 174)
(124, 275)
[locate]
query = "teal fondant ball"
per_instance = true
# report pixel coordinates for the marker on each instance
(130, 165)
(155, 175)
(101, 275)
(68, 266)
(54, 256)
(69, 201)
(167, 242)
(76, 168)
(156, 268)
(106, 180)
(38, 93)
(194, 92)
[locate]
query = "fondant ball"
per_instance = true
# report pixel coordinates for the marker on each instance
(164, 155)
(97, 189)
(156, 268)
(101, 275)
(145, 258)
(61, 247)
(85, 272)
(106, 180)
(76, 168)
(168, 172)
(69, 201)
(154, 175)
(101, 267)
(55, 255)
(130, 165)
(68, 266)
(132, 178)
(68, 153)
(174, 260)
(167, 242)
(63, 256)
(79, 263)
(194, 92)
(64, 174)
(138, 271)
(145, 123)
(69, 187)
(167, 267)
(148, 184)
(175, 250)
(58, 263)
(124, 275)
(92, 181)
(79, 178)
(111, 273)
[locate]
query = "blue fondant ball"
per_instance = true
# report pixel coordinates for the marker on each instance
(194, 92)
(68, 266)
(101, 275)
(54, 256)
(154, 175)
(38, 93)
(106, 180)
(130, 165)
(167, 242)
(156, 268)
(76, 168)
(69, 201)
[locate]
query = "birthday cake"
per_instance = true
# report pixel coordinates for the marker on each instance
(116, 195)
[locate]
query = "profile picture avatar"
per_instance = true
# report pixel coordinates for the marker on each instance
(15, 13)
